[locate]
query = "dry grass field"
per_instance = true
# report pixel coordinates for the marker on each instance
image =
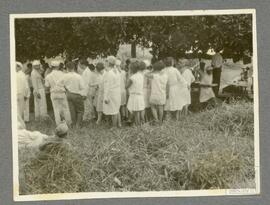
(213, 149)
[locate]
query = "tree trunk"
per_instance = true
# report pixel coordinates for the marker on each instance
(133, 49)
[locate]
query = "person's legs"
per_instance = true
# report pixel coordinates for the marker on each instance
(71, 108)
(114, 120)
(154, 112)
(79, 109)
(65, 110)
(177, 114)
(216, 80)
(43, 103)
(37, 107)
(56, 109)
(100, 114)
(142, 116)
(119, 120)
(160, 112)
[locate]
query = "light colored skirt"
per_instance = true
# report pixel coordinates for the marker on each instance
(135, 103)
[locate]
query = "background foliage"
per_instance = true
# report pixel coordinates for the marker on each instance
(166, 35)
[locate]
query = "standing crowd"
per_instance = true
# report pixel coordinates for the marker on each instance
(134, 91)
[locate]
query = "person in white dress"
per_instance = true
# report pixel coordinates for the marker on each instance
(23, 91)
(176, 81)
(146, 89)
(136, 103)
(159, 90)
(100, 91)
(123, 82)
(112, 92)
(189, 78)
(38, 91)
(58, 95)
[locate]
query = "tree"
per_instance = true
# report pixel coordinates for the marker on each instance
(166, 35)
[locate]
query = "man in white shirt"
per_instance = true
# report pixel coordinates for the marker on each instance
(76, 94)
(217, 62)
(58, 95)
(38, 91)
(23, 91)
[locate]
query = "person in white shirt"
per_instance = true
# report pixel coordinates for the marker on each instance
(58, 95)
(175, 81)
(23, 91)
(217, 62)
(112, 92)
(76, 93)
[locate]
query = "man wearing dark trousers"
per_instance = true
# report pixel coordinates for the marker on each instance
(217, 62)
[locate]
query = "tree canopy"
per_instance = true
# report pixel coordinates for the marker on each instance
(166, 35)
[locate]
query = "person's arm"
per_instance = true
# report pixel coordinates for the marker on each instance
(129, 83)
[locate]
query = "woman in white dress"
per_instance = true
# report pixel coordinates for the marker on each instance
(176, 81)
(112, 92)
(146, 89)
(189, 78)
(135, 85)
(100, 91)
(159, 91)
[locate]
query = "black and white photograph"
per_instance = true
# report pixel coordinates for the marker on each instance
(134, 104)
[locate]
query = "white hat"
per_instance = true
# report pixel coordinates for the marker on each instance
(55, 63)
(147, 63)
(36, 62)
(111, 59)
(117, 62)
(61, 129)
(19, 64)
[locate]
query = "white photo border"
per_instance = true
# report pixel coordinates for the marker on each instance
(94, 195)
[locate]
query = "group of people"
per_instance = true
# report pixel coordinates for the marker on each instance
(134, 91)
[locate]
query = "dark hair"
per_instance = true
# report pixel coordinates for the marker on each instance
(127, 61)
(29, 65)
(142, 65)
(70, 66)
(134, 66)
(100, 66)
(158, 66)
(84, 62)
(91, 67)
(46, 66)
(168, 61)
(209, 72)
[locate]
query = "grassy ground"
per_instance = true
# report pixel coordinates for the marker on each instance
(207, 150)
